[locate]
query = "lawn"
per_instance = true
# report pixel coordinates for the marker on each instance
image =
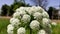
(56, 29)
(4, 22)
(3, 25)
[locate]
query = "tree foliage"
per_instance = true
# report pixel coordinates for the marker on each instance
(5, 9)
(53, 12)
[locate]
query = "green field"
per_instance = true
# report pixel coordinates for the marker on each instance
(56, 29)
(4, 22)
(3, 25)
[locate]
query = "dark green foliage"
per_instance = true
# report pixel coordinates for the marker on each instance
(5, 10)
(16, 5)
(53, 12)
(50, 12)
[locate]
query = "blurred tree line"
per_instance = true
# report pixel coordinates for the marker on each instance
(9, 10)
(53, 13)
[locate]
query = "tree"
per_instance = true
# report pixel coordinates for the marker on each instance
(5, 10)
(42, 3)
(50, 10)
(0, 11)
(18, 4)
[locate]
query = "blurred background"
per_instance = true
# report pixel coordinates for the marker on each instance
(8, 7)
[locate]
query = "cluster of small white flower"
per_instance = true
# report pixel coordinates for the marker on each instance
(29, 15)
(10, 29)
(15, 21)
(26, 18)
(42, 32)
(21, 30)
(34, 25)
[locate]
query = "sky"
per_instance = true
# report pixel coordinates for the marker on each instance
(2, 2)
(53, 3)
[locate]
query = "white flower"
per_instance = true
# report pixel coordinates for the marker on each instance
(37, 16)
(41, 32)
(31, 11)
(10, 29)
(40, 9)
(54, 23)
(27, 9)
(16, 15)
(35, 25)
(11, 20)
(18, 10)
(45, 14)
(46, 21)
(21, 30)
(21, 11)
(15, 21)
(22, 8)
(26, 18)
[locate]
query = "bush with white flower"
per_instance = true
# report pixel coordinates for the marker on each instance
(30, 20)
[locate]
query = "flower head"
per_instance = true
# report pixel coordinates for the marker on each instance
(21, 30)
(41, 32)
(34, 25)
(26, 18)
(10, 29)
(31, 11)
(18, 10)
(16, 15)
(21, 11)
(45, 14)
(15, 21)
(45, 21)
(37, 16)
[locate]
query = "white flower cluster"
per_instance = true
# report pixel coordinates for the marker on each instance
(34, 25)
(21, 30)
(10, 29)
(15, 21)
(42, 32)
(26, 18)
(45, 21)
(37, 16)
(45, 15)
(33, 18)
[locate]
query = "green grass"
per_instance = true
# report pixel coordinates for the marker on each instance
(3, 25)
(4, 22)
(56, 29)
